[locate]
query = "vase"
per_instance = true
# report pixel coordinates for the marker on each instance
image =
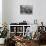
(2, 40)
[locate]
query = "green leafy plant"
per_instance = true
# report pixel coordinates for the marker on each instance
(4, 32)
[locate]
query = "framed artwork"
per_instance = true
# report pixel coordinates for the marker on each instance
(26, 9)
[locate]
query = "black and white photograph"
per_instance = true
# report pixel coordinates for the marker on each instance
(22, 22)
(26, 9)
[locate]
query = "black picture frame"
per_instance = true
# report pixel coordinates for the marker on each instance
(26, 9)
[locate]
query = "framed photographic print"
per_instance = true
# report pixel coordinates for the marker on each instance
(26, 9)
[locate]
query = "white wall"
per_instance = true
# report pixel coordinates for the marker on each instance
(12, 11)
(0, 13)
(4, 11)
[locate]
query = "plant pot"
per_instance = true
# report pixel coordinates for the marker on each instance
(2, 40)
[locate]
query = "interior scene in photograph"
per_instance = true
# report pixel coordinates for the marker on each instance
(22, 22)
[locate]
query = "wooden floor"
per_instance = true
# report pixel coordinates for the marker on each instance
(42, 45)
(32, 45)
(2, 45)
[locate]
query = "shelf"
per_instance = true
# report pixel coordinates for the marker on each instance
(19, 32)
(12, 32)
(16, 32)
(19, 25)
(18, 28)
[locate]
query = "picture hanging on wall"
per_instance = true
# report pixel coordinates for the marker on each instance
(26, 9)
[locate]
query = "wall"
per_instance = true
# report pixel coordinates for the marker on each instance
(0, 13)
(12, 11)
(4, 11)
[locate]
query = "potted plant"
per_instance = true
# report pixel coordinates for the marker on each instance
(3, 34)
